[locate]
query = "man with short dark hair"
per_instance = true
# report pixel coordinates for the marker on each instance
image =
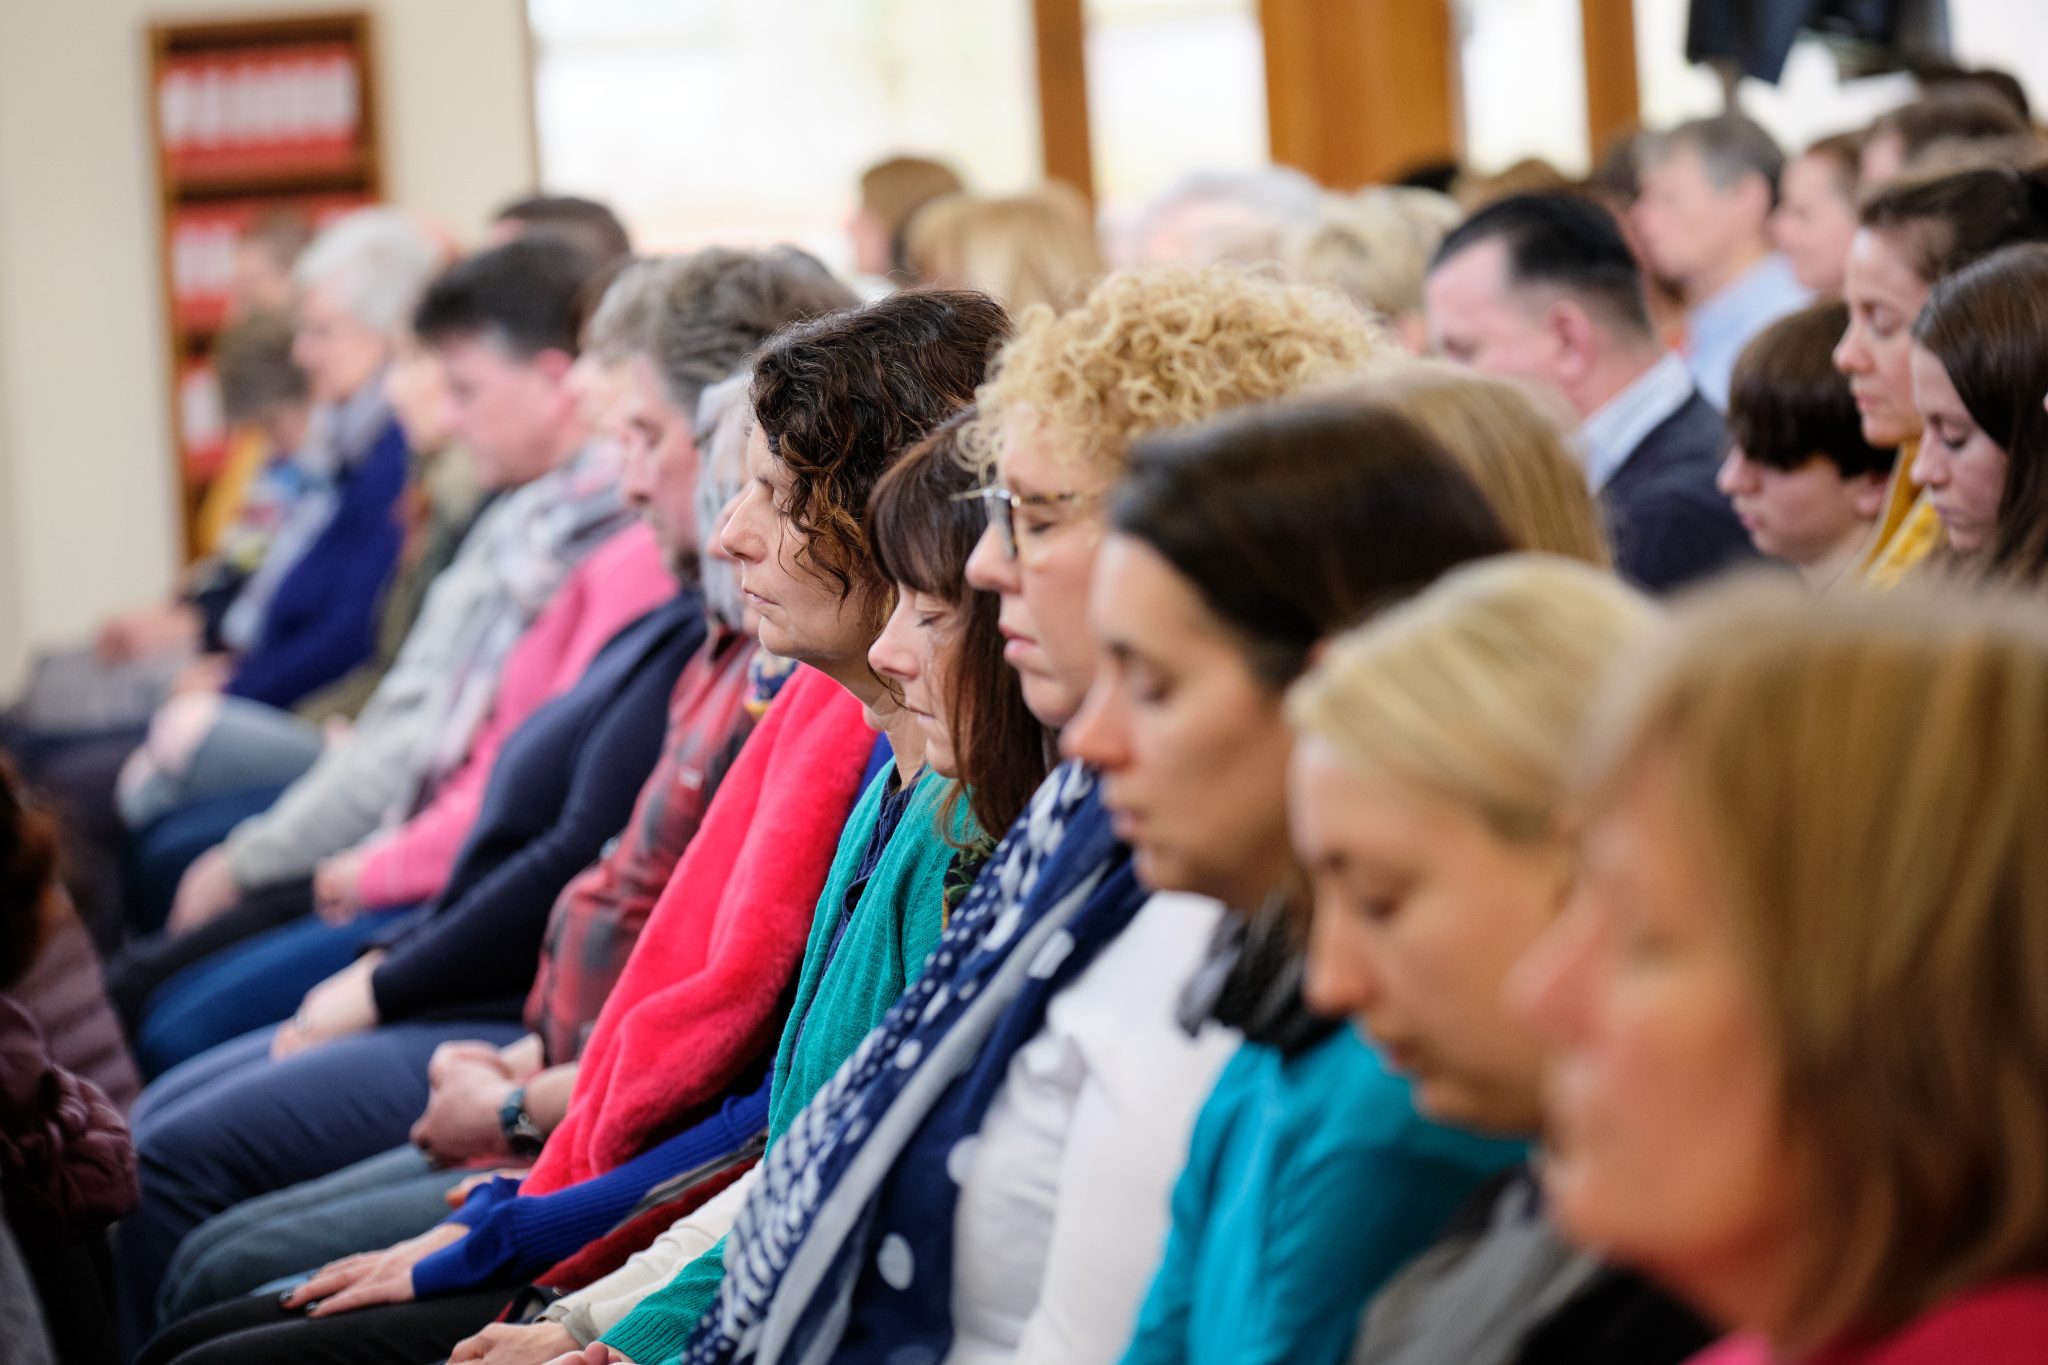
(1542, 287)
(1704, 218)
(585, 224)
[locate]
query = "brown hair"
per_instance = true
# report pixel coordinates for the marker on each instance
(892, 191)
(1956, 114)
(839, 399)
(1868, 771)
(1984, 324)
(1511, 447)
(1944, 220)
(28, 871)
(1788, 403)
(923, 529)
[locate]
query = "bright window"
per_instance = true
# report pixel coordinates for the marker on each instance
(705, 120)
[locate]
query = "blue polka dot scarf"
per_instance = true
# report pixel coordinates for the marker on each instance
(844, 1249)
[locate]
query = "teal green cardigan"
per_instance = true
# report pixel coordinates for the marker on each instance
(1310, 1179)
(893, 930)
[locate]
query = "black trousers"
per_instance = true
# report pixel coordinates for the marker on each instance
(255, 1331)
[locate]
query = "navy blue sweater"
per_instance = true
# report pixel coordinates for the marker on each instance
(564, 783)
(322, 621)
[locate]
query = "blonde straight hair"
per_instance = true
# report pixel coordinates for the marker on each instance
(1477, 690)
(1873, 773)
(1512, 447)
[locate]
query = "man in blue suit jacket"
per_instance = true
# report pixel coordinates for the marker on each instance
(1543, 287)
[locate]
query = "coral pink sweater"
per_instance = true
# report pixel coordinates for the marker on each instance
(617, 584)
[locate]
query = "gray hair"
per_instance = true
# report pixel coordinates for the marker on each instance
(1730, 146)
(722, 303)
(379, 261)
(1211, 216)
(724, 419)
(628, 316)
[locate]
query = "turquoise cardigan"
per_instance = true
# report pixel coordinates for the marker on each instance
(1309, 1180)
(893, 929)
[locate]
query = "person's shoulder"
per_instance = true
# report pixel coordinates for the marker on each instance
(1694, 435)
(2001, 1324)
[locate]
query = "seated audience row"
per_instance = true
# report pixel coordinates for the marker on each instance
(1154, 827)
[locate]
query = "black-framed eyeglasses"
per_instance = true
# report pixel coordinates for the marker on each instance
(1002, 507)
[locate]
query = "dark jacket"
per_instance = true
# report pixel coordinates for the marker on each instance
(67, 1165)
(1760, 36)
(66, 995)
(1670, 525)
(564, 783)
(323, 620)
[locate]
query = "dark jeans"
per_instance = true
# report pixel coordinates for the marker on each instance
(160, 852)
(232, 1124)
(137, 971)
(255, 1331)
(364, 1207)
(254, 983)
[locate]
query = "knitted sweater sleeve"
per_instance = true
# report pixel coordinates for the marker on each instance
(519, 1236)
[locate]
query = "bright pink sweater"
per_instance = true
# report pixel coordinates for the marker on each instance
(2005, 1324)
(621, 581)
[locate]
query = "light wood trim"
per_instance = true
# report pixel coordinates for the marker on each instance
(1359, 91)
(1060, 29)
(1613, 97)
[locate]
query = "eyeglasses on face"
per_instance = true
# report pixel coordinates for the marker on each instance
(1002, 507)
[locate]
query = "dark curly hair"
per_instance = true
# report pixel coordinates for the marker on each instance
(839, 398)
(923, 531)
(28, 868)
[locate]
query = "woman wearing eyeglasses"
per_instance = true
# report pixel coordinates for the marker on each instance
(993, 1184)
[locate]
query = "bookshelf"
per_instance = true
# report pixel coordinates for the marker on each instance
(248, 118)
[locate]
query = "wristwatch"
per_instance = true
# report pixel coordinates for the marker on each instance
(523, 1136)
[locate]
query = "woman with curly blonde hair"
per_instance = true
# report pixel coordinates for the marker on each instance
(990, 1178)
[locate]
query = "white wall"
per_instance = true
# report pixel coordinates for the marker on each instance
(87, 522)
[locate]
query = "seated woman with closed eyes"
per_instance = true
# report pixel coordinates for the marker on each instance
(1801, 1065)
(1429, 784)
(836, 402)
(1235, 549)
(1037, 1064)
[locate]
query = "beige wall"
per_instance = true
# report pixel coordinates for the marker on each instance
(86, 517)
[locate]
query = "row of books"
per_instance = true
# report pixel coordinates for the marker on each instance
(275, 109)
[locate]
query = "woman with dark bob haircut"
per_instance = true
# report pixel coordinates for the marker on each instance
(1237, 549)
(924, 522)
(1980, 375)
